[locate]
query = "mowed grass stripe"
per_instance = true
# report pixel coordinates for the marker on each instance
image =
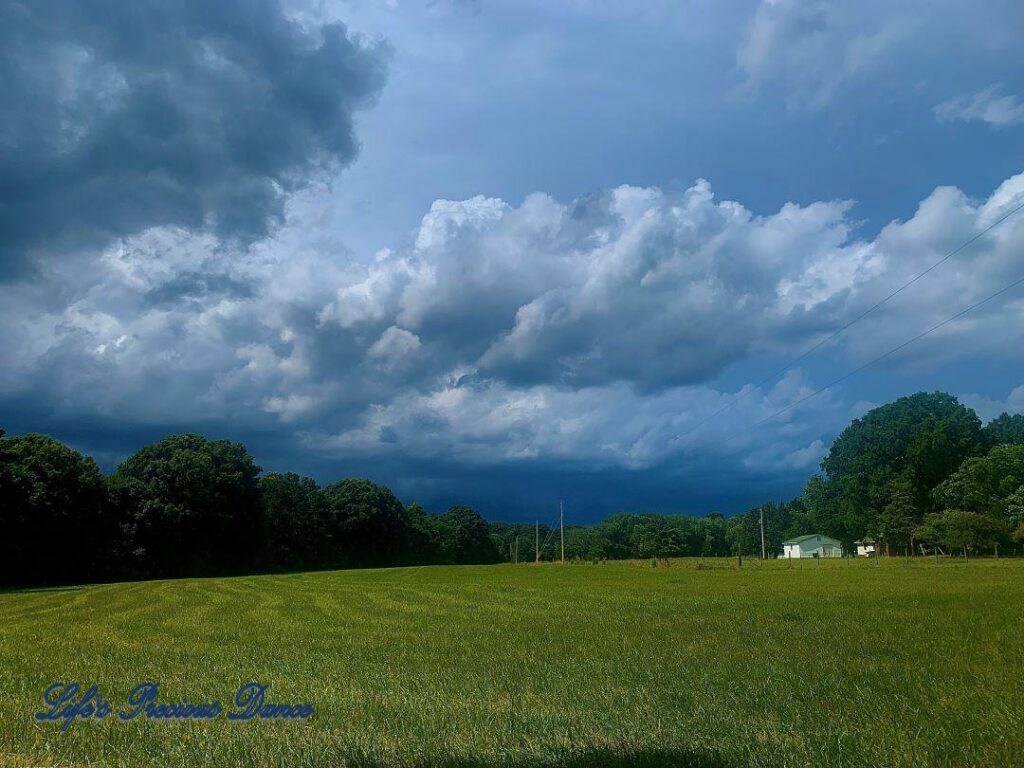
(701, 663)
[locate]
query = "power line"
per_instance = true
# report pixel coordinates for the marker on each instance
(881, 357)
(737, 398)
(550, 535)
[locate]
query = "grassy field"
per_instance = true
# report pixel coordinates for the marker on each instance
(838, 663)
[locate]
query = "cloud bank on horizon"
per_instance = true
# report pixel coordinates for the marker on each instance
(175, 255)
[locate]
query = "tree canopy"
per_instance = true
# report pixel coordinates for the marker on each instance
(958, 529)
(296, 521)
(190, 506)
(890, 459)
(367, 520)
(984, 484)
(1005, 430)
(54, 523)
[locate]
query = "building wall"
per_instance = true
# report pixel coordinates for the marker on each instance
(822, 548)
(830, 550)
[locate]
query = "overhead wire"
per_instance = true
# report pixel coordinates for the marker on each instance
(746, 392)
(878, 359)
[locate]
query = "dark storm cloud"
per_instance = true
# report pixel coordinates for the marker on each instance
(531, 490)
(123, 116)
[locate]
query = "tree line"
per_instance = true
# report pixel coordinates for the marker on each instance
(189, 506)
(921, 471)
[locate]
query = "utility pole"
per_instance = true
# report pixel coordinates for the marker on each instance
(536, 543)
(561, 529)
(762, 534)
(516, 560)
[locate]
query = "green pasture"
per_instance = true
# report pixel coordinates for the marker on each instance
(620, 664)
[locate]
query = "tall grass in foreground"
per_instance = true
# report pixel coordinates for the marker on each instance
(697, 663)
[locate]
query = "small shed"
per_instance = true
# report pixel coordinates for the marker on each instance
(812, 545)
(865, 547)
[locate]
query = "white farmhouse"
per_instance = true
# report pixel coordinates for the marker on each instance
(812, 545)
(865, 547)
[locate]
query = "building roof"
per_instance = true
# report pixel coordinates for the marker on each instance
(864, 541)
(809, 536)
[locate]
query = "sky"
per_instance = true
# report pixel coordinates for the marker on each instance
(507, 252)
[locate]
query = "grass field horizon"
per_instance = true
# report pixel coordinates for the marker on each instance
(904, 662)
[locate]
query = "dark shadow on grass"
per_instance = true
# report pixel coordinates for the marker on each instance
(586, 758)
(33, 590)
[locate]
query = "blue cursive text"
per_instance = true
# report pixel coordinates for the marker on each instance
(67, 702)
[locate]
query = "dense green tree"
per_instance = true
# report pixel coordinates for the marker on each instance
(958, 529)
(836, 508)
(714, 539)
(930, 530)
(650, 535)
(658, 536)
(426, 537)
(922, 438)
(190, 506)
(900, 516)
(368, 523)
(619, 531)
(743, 538)
(466, 537)
(1005, 430)
(1015, 515)
(585, 543)
(1018, 533)
(504, 536)
(984, 484)
(54, 523)
(795, 519)
(1015, 508)
(295, 522)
